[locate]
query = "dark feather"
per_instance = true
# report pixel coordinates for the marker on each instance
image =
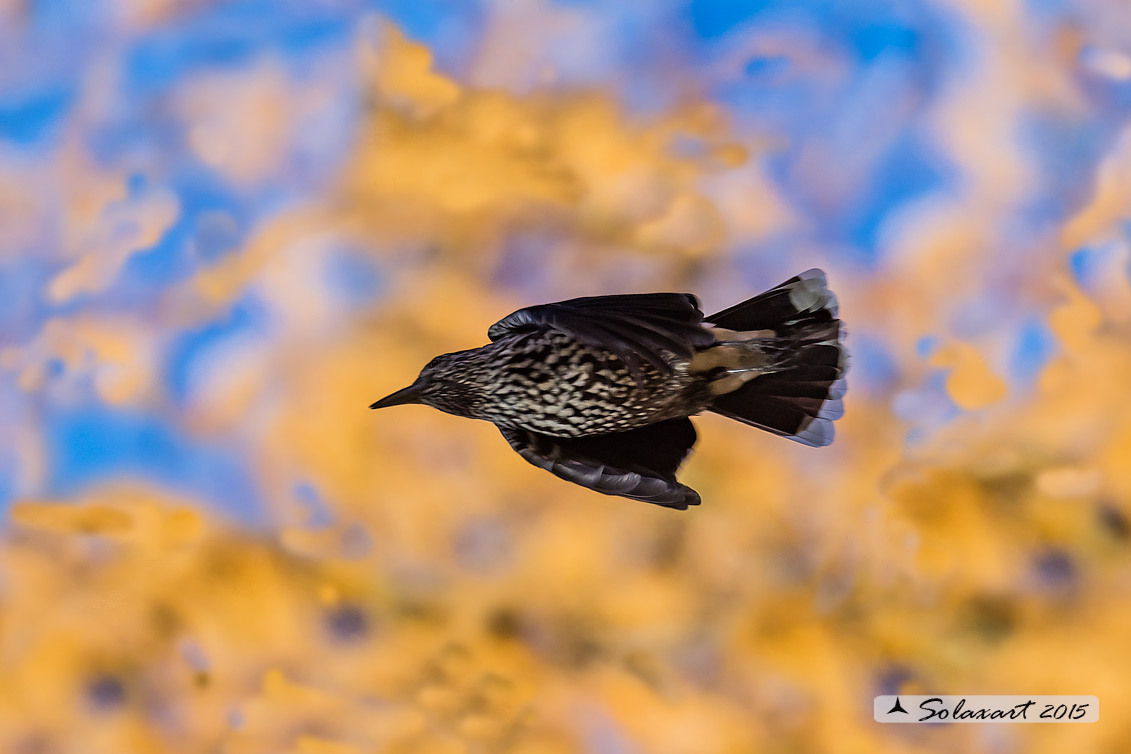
(778, 306)
(801, 398)
(638, 328)
(639, 464)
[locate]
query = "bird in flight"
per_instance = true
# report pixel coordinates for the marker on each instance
(598, 390)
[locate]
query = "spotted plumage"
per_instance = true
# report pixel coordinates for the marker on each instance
(598, 390)
(549, 382)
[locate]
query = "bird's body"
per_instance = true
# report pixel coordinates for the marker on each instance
(550, 382)
(598, 390)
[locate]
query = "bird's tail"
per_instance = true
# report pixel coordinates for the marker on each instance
(799, 382)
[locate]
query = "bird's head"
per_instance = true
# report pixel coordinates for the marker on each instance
(443, 384)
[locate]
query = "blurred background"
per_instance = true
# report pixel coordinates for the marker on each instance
(227, 227)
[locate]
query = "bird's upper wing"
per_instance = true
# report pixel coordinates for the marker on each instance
(636, 327)
(639, 464)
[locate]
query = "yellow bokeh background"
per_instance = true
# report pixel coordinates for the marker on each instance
(450, 598)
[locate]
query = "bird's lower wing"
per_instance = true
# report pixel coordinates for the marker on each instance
(639, 464)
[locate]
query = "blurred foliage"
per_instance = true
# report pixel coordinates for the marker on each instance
(403, 582)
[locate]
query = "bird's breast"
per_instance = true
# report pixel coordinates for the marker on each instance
(558, 386)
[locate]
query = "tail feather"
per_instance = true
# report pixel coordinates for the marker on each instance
(804, 297)
(800, 394)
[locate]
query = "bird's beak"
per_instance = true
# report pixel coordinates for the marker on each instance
(410, 394)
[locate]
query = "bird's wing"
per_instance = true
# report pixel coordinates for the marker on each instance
(636, 327)
(639, 464)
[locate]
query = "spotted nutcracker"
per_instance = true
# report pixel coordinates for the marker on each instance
(598, 390)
